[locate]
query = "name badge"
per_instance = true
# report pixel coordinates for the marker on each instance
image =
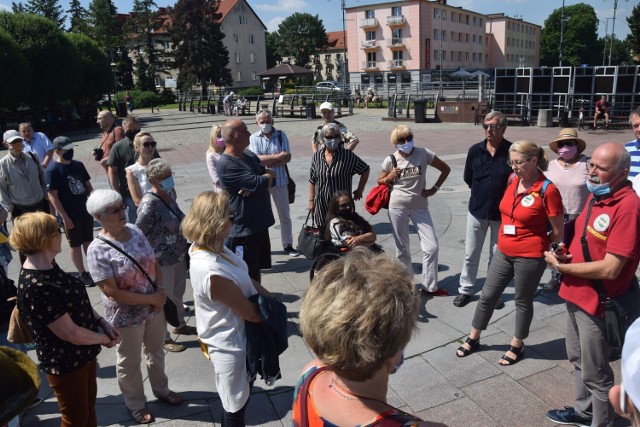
(527, 200)
(509, 229)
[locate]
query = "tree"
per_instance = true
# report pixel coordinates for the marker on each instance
(18, 7)
(620, 52)
(300, 36)
(142, 24)
(633, 39)
(105, 29)
(97, 78)
(50, 9)
(78, 16)
(197, 43)
(271, 46)
(43, 45)
(15, 72)
(580, 37)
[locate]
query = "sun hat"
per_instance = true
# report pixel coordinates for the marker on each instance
(568, 134)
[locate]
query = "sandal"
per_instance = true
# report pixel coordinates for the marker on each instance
(141, 416)
(172, 398)
(518, 351)
(473, 346)
(173, 347)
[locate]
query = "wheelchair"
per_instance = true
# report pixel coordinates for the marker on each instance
(332, 253)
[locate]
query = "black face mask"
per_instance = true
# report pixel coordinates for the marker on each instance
(68, 155)
(347, 213)
(131, 134)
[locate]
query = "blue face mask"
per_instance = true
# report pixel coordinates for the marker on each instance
(167, 183)
(598, 189)
(406, 147)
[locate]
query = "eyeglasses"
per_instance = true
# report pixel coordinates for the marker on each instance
(566, 143)
(492, 127)
(593, 165)
(149, 144)
(116, 209)
(517, 162)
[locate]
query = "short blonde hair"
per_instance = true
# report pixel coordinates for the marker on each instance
(216, 132)
(359, 311)
(206, 220)
(33, 232)
(137, 140)
(531, 150)
(400, 131)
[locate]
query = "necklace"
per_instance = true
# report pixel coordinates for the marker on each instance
(567, 164)
(340, 391)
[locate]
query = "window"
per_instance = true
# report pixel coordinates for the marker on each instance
(396, 11)
(436, 34)
(435, 55)
(479, 39)
(371, 60)
(397, 55)
(251, 39)
(369, 14)
(243, 20)
(396, 35)
(236, 38)
(444, 34)
(466, 56)
(481, 22)
(460, 37)
(453, 17)
(239, 76)
(475, 38)
(237, 58)
(254, 76)
(252, 58)
(467, 20)
(475, 21)
(451, 56)
(486, 58)
(371, 35)
(466, 38)
(453, 36)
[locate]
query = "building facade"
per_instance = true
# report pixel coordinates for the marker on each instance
(329, 64)
(512, 42)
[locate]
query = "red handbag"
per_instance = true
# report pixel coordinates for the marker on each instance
(379, 195)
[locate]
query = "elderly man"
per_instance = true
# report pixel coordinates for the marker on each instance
(610, 223)
(328, 112)
(111, 133)
(633, 147)
(37, 143)
(247, 181)
(272, 148)
(486, 172)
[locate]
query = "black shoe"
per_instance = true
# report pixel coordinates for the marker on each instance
(552, 285)
(289, 250)
(499, 304)
(461, 300)
(569, 416)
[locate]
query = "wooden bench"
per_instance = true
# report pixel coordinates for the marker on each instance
(291, 107)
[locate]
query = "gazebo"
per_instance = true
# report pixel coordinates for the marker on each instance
(284, 71)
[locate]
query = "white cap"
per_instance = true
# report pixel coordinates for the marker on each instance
(326, 106)
(231, 93)
(11, 135)
(630, 369)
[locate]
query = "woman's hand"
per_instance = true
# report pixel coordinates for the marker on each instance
(159, 298)
(111, 332)
(357, 194)
(428, 193)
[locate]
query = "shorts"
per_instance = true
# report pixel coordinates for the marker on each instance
(256, 251)
(81, 232)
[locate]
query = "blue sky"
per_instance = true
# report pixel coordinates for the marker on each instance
(272, 12)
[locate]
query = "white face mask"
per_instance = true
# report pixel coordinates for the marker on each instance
(406, 147)
(265, 127)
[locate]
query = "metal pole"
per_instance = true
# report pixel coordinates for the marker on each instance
(442, 15)
(606, 32)
(561, 32)
(345, 68)
(613, 28)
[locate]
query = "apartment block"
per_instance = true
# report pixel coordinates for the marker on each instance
(329, 63)
(512, 42)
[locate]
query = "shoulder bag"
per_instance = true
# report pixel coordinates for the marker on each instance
(170, 309)
(379, 195)
(619, 312)
(310, 240)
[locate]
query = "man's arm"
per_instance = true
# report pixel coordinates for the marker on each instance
(112, 172)
(608, 268)
(47, 158)
(351, 139)
(242, 178)
(279, 159)
(55, 201)
(4, 191)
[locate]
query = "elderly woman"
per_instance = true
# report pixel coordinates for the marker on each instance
(528, 202)
(332, 167)
(59, 314)
(159, 220)
(216, 148)
(221, 290)
(409, 202)
(144, 146)
(356, 349)
(569, 173)
(130, 301)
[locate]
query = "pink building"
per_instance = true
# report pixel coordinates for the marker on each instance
(512, 42)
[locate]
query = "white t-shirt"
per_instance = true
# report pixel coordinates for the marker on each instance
(407, 188)
(636, 184)
(138, 171)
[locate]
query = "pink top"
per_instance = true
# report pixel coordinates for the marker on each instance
(212, 161)
(571, 183)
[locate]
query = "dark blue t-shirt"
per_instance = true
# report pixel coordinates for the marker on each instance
(69, 181)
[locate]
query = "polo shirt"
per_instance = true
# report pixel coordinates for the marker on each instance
(261, 145)
(633, 147)
(487, 177)
(613, 228)
(40, 145)
(529, 214)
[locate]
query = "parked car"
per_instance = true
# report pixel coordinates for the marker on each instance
(332, 86)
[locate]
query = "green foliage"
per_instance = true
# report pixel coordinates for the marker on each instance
(50, 9)
(105, 29)
(301, 35)
(78, 16)
(251, 91)
(142, 25)
(633, 39)
(97, 77)
(620, 51)
(145, 99)
(271, 47)
(580, 37)
(197, 41)
(55, 65)
(15, 72)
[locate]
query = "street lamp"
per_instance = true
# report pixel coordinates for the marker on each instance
(613, 28)
(606, 34)
(441, 14)
(561, 32)
(345, 66)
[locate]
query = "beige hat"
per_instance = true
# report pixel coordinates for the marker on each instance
(568, 134)
(326, 106)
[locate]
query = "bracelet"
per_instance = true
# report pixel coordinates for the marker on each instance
(436, 187)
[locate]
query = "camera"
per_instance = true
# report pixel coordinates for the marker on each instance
(557, 249)
(98, 153)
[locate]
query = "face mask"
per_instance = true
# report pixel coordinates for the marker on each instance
(600, 189)
(331, 143)
(220, 142)
(568, 153)
(406, 147)
(131, 134)
(345, 212)
(167, 184)
(68, 155)
(265, 127)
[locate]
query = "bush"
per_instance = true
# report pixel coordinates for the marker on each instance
(167, 96)
(143, 99)
(251, 91)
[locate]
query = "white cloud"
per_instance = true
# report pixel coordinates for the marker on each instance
(272, 24)
(5, 7)
(280, 5)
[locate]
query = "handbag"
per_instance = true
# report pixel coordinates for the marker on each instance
(18, 332)
(310, 241)
(291, 186)
(379, 195)
(170, 309)
(619, 312)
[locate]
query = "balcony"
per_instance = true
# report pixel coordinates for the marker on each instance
(370, 66)
(396, 43)
(396, 21)
(327, 60)
(368, 23)
(369, 45)
(397, 64)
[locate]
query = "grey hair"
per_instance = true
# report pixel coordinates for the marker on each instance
(156, 168)
(330, 126)
(130, 119)
(101, 199)
(495, 113)
(635, 112)
(264, 111)
(624, 162)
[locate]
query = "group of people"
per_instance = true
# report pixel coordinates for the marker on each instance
(141, 256)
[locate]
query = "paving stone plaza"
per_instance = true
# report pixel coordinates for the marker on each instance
(433, 383)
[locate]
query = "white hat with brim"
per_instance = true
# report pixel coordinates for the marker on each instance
(568, 134)
(326, 106)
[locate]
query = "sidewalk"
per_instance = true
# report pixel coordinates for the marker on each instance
(433, 383)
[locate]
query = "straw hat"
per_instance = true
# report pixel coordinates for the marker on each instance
(568, 135)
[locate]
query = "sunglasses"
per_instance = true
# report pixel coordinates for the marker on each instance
(116, 209)
(149, 144)
(566, 144)
(402, 140)
(492, 127)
